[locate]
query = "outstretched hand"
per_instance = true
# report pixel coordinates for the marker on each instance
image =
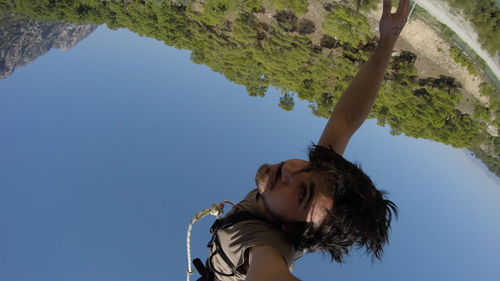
(391, 24)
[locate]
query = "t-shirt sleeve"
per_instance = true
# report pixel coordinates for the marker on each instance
(237, 239)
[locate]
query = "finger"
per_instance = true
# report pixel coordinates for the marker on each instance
(387, 8)
(403, 7)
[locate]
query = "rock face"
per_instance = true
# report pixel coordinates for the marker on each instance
(22, 40)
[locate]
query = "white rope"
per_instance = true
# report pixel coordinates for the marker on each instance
(214, 210)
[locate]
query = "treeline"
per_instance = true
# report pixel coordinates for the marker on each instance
(227, 36)
(481, 112)
(490, 159)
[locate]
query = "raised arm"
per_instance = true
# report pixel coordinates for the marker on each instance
(357, 100)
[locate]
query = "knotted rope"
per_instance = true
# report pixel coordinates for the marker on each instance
(215, 210)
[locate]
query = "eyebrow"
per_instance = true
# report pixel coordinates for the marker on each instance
(310, 194)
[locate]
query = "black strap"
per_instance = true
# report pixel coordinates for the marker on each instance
(233, 219)
(202, 270)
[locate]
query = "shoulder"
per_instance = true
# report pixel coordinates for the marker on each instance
(238, 239)
(266, 263)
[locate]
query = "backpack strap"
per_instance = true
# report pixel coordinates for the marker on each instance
(206, 274)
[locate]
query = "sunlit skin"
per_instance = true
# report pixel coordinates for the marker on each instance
(294, 197)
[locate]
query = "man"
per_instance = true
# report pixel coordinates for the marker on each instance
(326, 203)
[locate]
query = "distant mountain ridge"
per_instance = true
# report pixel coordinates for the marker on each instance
(22, 40)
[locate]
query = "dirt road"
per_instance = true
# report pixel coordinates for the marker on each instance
(442, 12)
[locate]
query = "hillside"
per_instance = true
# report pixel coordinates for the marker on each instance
(307, 50)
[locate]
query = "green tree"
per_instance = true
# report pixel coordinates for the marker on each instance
(214, 12)
(245, 28)
(286, 101)
(481, 112)
(343, 22)
(460, 58)
(298, 6)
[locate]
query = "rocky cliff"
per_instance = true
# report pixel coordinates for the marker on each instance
(22, 40)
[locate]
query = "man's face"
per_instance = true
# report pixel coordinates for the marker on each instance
(291, 196)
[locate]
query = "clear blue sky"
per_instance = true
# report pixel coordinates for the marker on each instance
(108, 149)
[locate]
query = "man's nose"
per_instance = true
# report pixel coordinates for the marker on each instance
(287, 173)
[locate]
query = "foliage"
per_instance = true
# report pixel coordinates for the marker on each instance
(306, 26)
(365, 5)
(484, 15)
(423, 108)
(245, 28)
(342, 22)
(298, 6)
(494, 102)
(286, 101)
(230, 40)
(493, 94)
(492, 162)
(252, 6)
(328, 42)
(481, 112)
(214, 12)
(287, 20)
(459, 57)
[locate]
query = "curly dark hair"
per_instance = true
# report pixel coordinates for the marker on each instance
(361, 214)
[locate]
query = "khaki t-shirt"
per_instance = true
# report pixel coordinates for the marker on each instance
(237, 239)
